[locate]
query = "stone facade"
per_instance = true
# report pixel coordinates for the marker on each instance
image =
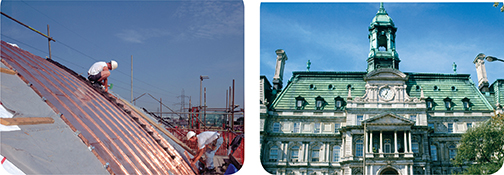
(382, 121)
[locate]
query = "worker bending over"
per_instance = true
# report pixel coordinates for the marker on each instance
(208, 143)
(100, 71)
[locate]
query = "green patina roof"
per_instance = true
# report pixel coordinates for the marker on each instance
(496, 92)
(320, 81)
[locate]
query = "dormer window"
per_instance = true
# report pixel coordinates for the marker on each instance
(448, 103)
(339, 103)
(319, 103)
(466, 104)
(300, 102)
(429, 103)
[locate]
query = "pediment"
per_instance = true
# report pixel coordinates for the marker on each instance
(386, 74)
(388, 119)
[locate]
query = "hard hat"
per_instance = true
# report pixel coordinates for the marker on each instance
(190, 134)
(113, 64)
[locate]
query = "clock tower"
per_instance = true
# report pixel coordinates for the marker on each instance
(382, 51)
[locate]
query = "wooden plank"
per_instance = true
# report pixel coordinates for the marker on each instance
(7, 71)
(26, 121)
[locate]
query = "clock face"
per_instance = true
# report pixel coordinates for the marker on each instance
(386, 93)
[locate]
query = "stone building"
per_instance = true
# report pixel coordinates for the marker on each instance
(379, 121)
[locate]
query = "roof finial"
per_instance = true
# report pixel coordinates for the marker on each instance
(454, 68)
(382, 9)
(308, 65)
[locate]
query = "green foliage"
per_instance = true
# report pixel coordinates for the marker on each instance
(496, 4)
(481, 149)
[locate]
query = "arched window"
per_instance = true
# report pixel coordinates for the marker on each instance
(315, 156)
(273, 154)
(295, 154)
(336, 153)
(387, 145)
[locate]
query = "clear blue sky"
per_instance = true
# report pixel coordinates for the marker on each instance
(172, 44)
(429, 38)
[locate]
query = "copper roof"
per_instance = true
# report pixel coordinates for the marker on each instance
(121, 140)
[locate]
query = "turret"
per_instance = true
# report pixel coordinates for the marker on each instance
(382, 51)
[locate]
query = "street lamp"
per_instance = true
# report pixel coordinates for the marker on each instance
(202, 77)
(491, 58)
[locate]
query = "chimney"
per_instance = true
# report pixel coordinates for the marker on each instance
(279, 69)
(479, 61)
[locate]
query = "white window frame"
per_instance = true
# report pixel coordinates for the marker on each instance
(276, 127)
(336, 153)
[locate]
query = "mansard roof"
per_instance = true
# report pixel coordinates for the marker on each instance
(329, 85)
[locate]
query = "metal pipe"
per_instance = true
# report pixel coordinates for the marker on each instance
(27, 26)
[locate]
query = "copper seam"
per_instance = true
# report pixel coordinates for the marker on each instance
(108, 104)
(118, 121)
(64, 106)
(125, 145)
(81, 110)
(160, 147)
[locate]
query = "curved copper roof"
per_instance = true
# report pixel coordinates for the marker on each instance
(121, 140)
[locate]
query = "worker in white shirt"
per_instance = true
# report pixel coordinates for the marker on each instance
(208, 143)
(100, 71)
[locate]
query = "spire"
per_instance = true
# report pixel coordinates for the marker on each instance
(382, 10)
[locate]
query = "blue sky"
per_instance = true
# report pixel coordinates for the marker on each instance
(429, 38)
(172, 44)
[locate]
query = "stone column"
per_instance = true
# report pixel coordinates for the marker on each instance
(405, 142)
(410, 150)
(395, 145)
(411, 169)
(381, 144)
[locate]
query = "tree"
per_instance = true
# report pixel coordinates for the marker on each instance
(481, 149)
(496, 4)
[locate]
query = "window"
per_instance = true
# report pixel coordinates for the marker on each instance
(469, 125)
(431, 125)
(315, 154)
(466, 104)
(413, 117)
(450, 127)
(433, 152)
(336, 153)
(452, 151)
(417, 88)
(448, 103)
(429, 103)
(273, 156)
(316, 128)
(276, 127)
(319, 103)
(300, 102)
(414, 145)
(294, 153)
(296, 127)
(359, 148)
(337, 126)
(339, 103)
(359, 119)
(387, 145)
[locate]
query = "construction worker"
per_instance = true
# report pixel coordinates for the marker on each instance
(208, 143)
(100, 71)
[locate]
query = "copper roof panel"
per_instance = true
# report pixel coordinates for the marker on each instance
(121, 140)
